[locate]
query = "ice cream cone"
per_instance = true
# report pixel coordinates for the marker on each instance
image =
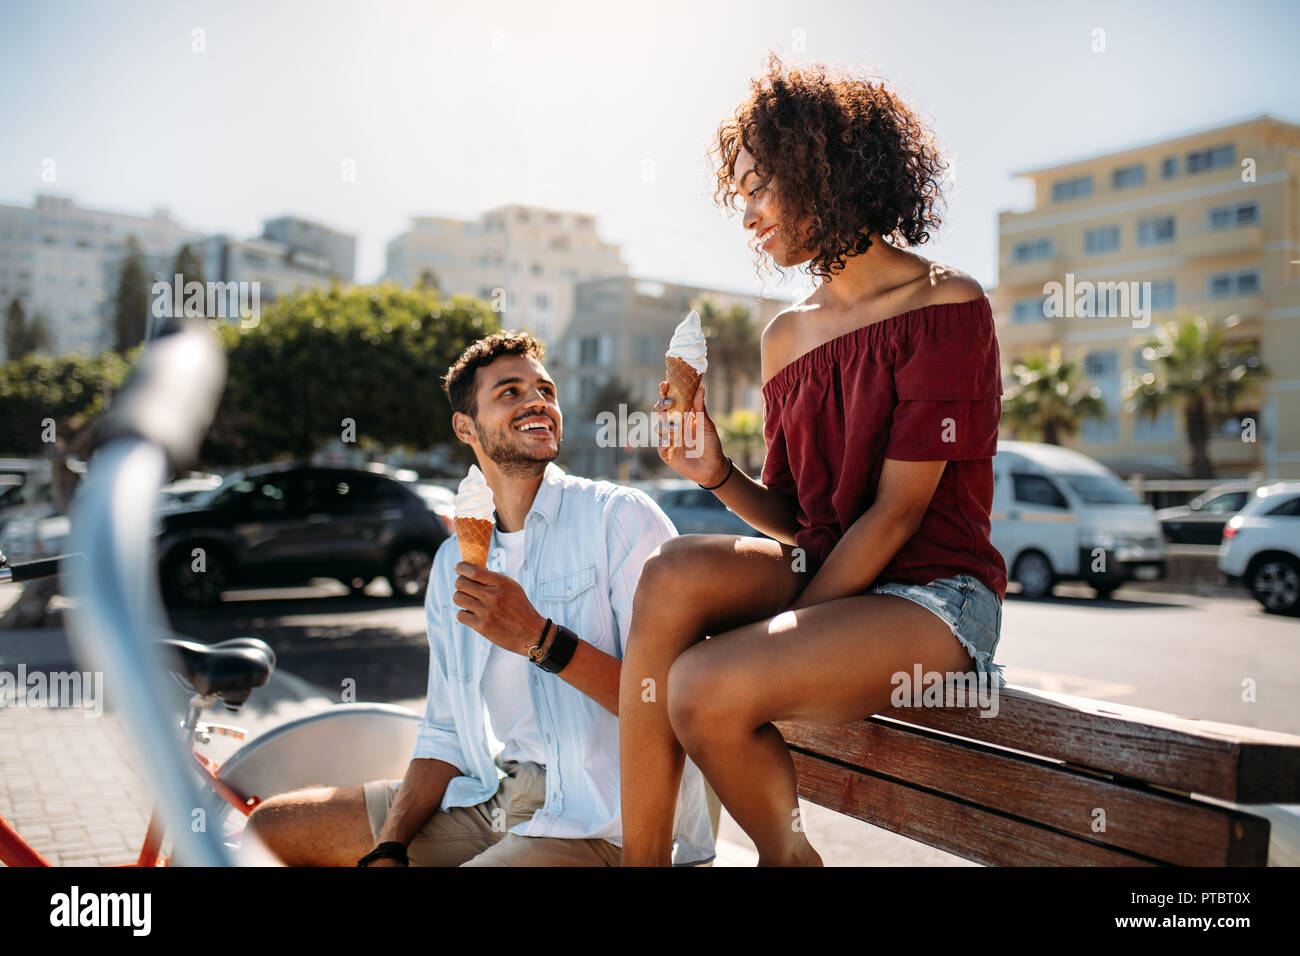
(474, 536)
(683, 380)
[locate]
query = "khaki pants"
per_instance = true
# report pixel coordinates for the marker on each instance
(476, 836)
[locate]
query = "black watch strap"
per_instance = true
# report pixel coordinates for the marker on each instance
(557, 657)
(390, 850)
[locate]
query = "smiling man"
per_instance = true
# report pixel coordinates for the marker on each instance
(565, 557)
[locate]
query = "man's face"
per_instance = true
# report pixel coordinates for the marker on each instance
(518, 423)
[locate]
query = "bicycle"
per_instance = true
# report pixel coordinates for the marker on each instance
(154, 427)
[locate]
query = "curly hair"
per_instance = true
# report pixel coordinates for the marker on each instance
(839, 148)
(458, 383)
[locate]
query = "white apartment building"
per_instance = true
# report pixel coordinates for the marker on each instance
(291, 254)
(525, 260)
(62, 260)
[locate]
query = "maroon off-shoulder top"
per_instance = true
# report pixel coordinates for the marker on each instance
(924, 385)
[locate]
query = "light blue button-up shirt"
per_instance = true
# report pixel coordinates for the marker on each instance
(584, 544)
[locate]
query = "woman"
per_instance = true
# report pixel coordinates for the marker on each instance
(881, 400)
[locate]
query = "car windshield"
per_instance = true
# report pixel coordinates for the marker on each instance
(1101, 490)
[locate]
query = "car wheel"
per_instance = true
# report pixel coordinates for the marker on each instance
(1033, 572)
(408, 574)
(1275, 582)
(196, 588)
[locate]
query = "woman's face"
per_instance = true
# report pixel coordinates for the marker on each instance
(774, 231)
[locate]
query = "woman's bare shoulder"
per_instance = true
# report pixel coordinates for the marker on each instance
(777, 343)
(943, 285)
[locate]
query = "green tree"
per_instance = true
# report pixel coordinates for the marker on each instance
(131, 312)
(69, 391)
(734, 349)
(38, 334)
(429, 281)
(742, 436)
(22, 338)
(15, 331)
(1191, 366)
(1049, 399)
(186, 265)
(374, 355)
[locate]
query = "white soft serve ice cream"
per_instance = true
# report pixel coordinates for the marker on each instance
(688, 343)
(474, 497)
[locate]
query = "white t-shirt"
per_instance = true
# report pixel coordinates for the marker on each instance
(505, 679)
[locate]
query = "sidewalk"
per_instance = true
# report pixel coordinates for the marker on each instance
(69, 782)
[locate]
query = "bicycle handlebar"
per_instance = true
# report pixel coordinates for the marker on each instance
(172, 397)
(31, 570)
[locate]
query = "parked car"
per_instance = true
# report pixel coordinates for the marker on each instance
(187, 491)
(1202, 520)
(693, 510)
(1059, 515)
(287, 524)
(1261, 547)
(441, 501)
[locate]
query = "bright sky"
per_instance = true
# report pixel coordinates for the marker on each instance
(447, 108)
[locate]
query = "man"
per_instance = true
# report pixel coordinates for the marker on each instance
(566, 553)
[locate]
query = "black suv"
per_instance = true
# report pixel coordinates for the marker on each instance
(286, 524)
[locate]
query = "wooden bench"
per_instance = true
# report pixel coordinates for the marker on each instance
(1059, 780)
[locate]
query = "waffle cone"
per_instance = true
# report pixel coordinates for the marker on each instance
(474, 536)
(683, 381)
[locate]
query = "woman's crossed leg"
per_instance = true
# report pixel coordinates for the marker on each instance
(693, 586)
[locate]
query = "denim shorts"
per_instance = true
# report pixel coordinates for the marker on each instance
(972, 612)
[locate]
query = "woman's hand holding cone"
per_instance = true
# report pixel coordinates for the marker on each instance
(698, 456)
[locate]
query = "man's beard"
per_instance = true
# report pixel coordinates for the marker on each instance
(511, 459)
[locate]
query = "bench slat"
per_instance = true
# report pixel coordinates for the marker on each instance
(1166, 827)
(1240, 764)
(970, 832)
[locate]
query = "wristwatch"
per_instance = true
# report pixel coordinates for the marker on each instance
(557, 657)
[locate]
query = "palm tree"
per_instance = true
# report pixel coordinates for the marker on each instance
(1193, 367)
(1049, 398)
(733, 348)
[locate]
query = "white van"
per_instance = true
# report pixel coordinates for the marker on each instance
(1059, 515)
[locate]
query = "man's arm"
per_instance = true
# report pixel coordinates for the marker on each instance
(495, 605)
(437, 757)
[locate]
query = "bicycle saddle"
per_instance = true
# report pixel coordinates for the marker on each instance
(229, 669)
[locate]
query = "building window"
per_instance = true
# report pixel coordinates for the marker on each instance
(1028, 310)
(1163, 295)
(1233, 215)
(1035, 250)
(1217, 157)
(1226, 285)
(1127, 176)
(542, 302)
(1076, 188)
(1101, 364)
(1099, 241)
(1169, 167)
(589, 351)
(1160, 428)
(537, 268)
(1157, 231)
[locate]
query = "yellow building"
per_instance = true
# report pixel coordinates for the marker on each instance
(1205, 223)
